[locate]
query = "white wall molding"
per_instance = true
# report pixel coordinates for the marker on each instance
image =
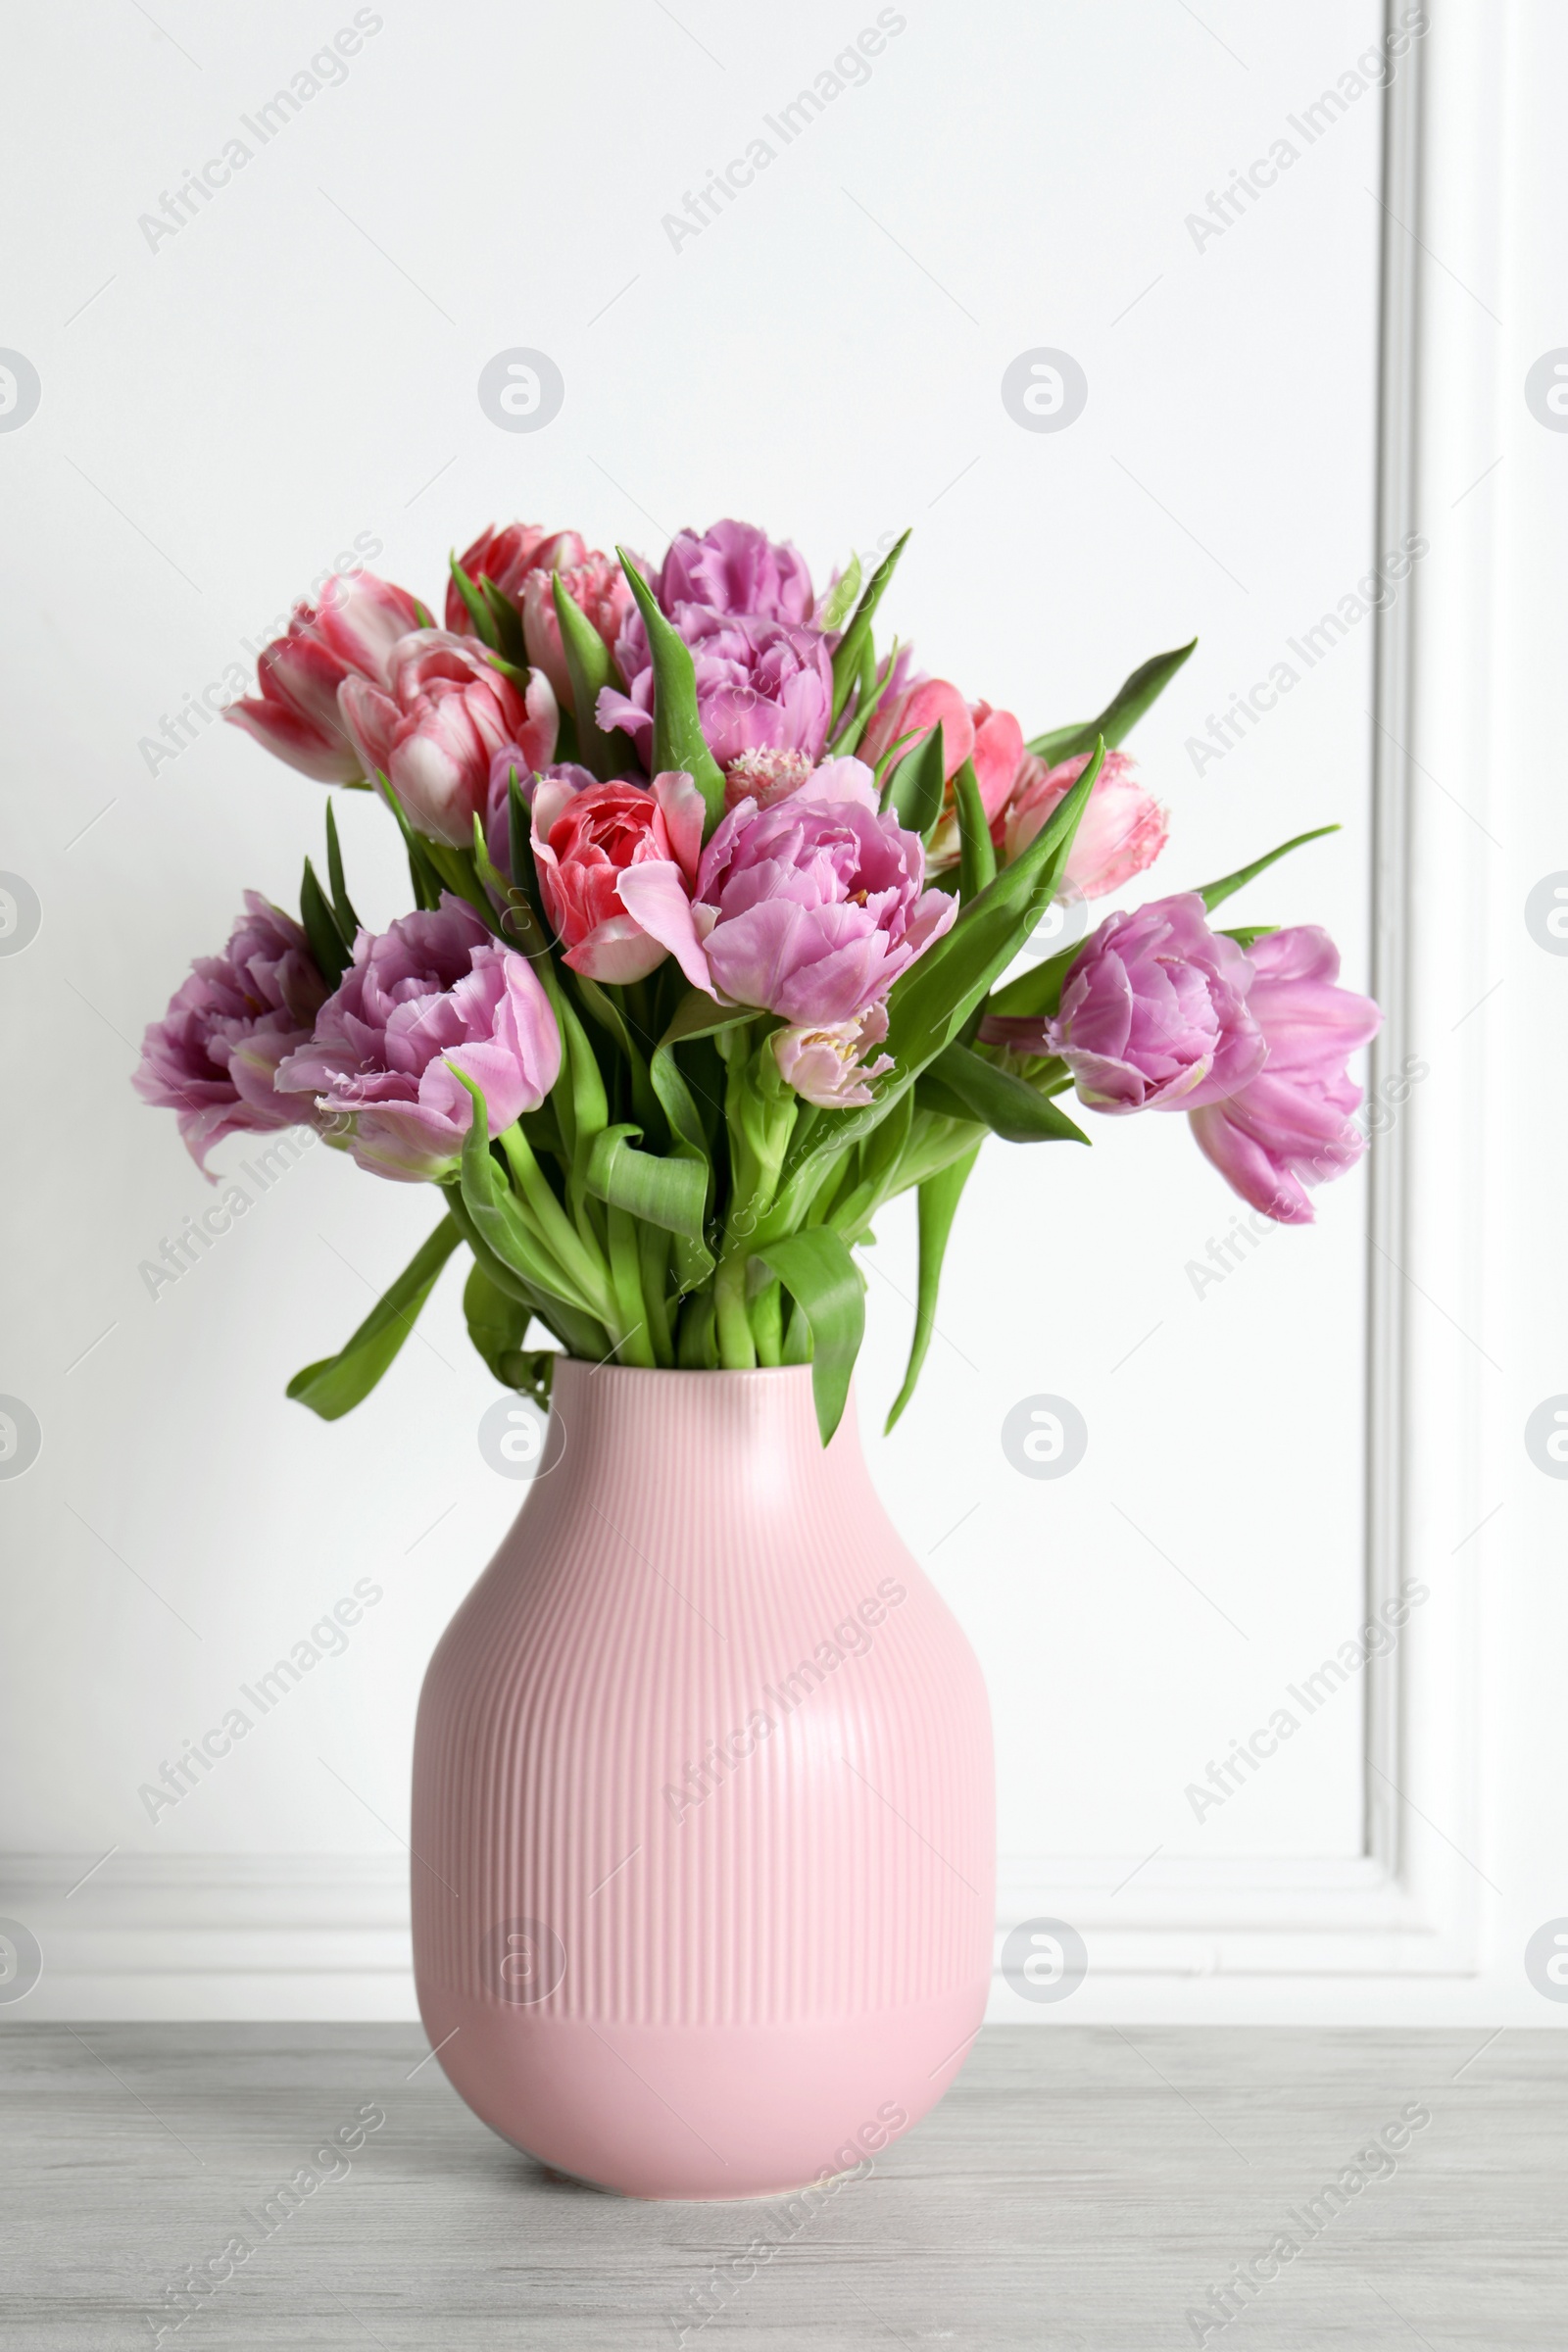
(214, 1935)
(1410, 1904)
(291, 1936)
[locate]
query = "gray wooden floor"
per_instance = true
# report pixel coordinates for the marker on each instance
(1082, 2186)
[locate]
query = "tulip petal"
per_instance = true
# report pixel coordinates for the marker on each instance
(653, 894)
(620, 950)
(282, 732)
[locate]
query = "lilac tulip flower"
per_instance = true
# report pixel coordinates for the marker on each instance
(213, 1055)
(1291, 1126)
(434, 995)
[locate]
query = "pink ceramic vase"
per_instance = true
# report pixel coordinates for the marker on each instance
(704, 1804)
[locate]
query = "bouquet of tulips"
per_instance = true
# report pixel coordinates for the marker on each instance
(714, 905)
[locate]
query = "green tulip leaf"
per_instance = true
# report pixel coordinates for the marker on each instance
(1036, 992)
(678, 737)
(918, 783)
(590, 668)
(329, 946)
(579, 1334)
(343, 914)
(478, 611)
(1005, 1102)
(846, 742)
(822, 1278)
(498, 1321)
(422, 875)
(339, 1383)
(671, 1192)
(1121, 713)
(977, 852)
(939, 1199)
(852, 645)
(840, 597)
(506, 622)
(1215, 894)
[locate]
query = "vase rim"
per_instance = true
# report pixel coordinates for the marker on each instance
(633, 1406)
(621, 1372)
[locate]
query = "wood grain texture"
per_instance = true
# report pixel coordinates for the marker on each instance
(1081, 2186)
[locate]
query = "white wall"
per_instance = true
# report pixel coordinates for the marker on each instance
(223, 413)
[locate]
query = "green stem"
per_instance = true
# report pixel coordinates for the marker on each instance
(584, 1270)
(760, 1113)
(767, 1324)
(737, 1351)
(654, 1247)
(635, 1345)
(698, 1351)
(798, 1339)
(456, 871)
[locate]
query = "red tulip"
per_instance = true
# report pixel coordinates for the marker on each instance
(506, 556)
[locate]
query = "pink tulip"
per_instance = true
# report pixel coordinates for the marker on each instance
(915, 712)
(1291, 1125)
(586, 838)
(351, 632)
(597, 587)
(506, 556)
(735, 567)
(997, 751)
(434, 995)
(433, 733)
(810, 908)
(213, 1055)
(832, 1067)
(1154, 1013)
(1121, 833)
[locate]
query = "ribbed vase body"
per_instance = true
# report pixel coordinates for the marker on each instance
(704, 1804)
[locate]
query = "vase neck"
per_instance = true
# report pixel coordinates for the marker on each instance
(752, 1433)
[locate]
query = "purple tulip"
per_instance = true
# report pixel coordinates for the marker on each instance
(435, 993)
(734, 568)
(213, 1055)
(1154, 1013)
(761, 684)
(1291, 1125)
(810, 908)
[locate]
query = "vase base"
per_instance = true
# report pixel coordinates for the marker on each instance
(830, 2184)
(709, 2113)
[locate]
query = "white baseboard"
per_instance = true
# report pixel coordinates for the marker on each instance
(268, 1936)
(280, 1936)
(1263, 1917)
